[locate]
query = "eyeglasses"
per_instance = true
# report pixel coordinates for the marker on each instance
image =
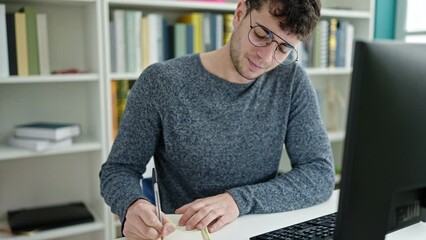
(261, 36)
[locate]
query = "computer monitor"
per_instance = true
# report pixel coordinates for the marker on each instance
(383, 185)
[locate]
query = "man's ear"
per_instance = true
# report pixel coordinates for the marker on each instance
(239, 13)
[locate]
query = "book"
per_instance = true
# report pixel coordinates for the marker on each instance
(349, 40)
(180, 39)
(227, 26)
(32, 43)
(11, 44)
(48, 217)
(132, 40)
(43, 44)
(21, 44)
(4, 56)
(48, 130)
(37, 144)
(112, 46)
(145, 42)
(155, 38)
(114, 108)
(122, 96)
(332, 42)
(219, 30)
(120, 44)
(182, 234)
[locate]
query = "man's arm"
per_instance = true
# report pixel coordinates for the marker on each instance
(133, 147)
(311, 179)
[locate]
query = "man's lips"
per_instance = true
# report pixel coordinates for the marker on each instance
(254, 65)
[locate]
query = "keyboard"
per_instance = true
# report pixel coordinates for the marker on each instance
(321, 228)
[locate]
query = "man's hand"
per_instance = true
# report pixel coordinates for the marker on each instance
(214, 212)
(142, 222)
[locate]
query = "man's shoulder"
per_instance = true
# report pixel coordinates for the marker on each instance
(173, 66)
(169, 75)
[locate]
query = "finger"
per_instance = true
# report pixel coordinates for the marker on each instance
(219, 223)
(168, 228)
(190, 211)
(139, 230)
(203, 217)
(209, 218)
(151, 220)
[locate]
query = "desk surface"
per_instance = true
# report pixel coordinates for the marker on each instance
(250, 225)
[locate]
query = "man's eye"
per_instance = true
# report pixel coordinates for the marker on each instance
(261, 35)
(283, 49)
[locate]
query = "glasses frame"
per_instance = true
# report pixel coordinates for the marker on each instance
(286, 44)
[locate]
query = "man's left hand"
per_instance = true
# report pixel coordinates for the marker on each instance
(214, 212)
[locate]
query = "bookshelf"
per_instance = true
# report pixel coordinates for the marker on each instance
(338, 79)
(79, 38)
(33, 179)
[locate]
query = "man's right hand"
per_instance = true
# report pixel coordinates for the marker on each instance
(142, 222)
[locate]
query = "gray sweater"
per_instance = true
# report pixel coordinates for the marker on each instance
(209, 136)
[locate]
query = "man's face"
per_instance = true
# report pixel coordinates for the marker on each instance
(251, 61)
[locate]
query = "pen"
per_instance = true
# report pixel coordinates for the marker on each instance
(156, 194)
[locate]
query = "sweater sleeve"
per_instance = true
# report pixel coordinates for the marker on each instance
(133, 147)
(311, 179)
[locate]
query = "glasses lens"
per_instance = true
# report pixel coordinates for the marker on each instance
(285, 54)
(260, 37)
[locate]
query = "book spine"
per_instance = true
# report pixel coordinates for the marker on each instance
(4, 55)
(332, 43)
(130, 40)
(43, 44)
(118, 16)
(114, 108)
(11, 44)
(228, 27)
(122, 94)
(32, 45)
(180, 39)
(21, 44)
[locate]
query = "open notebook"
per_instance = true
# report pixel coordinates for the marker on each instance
(181, 233)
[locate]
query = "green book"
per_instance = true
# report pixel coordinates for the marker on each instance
(32, 42)
(122, 94)
(180, 39)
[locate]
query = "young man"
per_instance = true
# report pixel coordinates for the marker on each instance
(216, 123)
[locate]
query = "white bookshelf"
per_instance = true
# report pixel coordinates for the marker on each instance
(361, 15)
(79, 38)
(34, 179)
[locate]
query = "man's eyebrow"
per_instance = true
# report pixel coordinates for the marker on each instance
(284, 41)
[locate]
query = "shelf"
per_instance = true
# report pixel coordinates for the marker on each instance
(343, 13)
(57, 233)
(118, 76)
(49, 1)
(9, 153)
(328, 71)
(86, 77)
(336, 136)
(174, 5)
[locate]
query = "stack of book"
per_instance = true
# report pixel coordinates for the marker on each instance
(40, 136)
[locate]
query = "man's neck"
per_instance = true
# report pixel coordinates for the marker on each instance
(219, 63)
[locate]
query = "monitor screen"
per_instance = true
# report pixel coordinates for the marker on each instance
(383, 186)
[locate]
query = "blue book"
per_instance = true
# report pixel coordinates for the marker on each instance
(48, 130)
(190, 39)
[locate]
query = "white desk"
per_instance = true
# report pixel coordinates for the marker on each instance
(250, 225)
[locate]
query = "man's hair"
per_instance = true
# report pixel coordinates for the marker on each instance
(299, 17)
